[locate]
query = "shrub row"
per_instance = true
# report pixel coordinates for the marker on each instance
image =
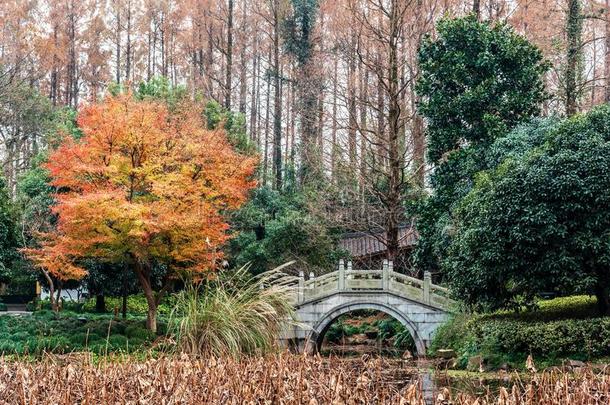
(67, 332)
(560, 328)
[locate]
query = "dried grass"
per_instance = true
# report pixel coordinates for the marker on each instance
(280, 379)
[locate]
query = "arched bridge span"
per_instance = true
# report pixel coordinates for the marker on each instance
(418, 304)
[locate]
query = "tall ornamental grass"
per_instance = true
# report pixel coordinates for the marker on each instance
(238, 314)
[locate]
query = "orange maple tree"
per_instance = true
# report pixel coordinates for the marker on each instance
(143, 186)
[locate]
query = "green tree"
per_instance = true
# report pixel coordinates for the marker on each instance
(232, 122)
(159, 88)
(26, 118)
(299, 42)
(478, 81)
(276, 227)
(8, 234)
(540, 221)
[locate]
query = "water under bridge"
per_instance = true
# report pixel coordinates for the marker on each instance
(418, 304)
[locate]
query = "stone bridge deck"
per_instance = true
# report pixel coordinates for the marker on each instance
(418, 304)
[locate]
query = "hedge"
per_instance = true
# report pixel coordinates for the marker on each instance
(561, 328)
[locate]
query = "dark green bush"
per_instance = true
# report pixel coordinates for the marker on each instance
(118, 342)
(45, 331)
(139, 331)
(80, 339)
(560, 328)
(136, 304)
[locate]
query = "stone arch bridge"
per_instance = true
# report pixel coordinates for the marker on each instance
(418, 304)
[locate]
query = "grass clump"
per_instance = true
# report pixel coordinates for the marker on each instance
(234, 315)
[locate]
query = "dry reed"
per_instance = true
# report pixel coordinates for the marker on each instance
(279, 379)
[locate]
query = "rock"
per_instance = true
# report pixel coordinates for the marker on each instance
(529, 364)
(448, 364)
(407, 355)
(445, 353)
(371, 334)
(504, 367)
(475, 363)
(359, 339)
(576, 363)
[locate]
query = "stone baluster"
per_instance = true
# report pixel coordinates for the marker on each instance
(427, 283)
(349, 275)
(312, 278)
(385, 274)
(341, 275)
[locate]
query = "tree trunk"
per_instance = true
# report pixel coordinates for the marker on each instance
(333, 150)
(100, 303)
(143, 274)
(419, 148)
(364, 100)
(54, 305)
(254, 95)
(124, 307)
(394, 203)
(602, 294)
(607, 56)
(266, 148)
(476, 8)
(124, 296)
(277, 100)
(351, 105)
(151, 317)
(574, 48)
(229, 66)
(128, 50)
(118, 45)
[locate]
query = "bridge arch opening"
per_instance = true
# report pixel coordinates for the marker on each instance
(322, 327)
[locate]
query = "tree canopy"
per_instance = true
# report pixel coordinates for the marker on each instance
(539, 221)
(143, 185)
(478, 80)
(8, 235)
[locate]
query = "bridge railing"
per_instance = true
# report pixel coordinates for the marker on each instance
(347, 279)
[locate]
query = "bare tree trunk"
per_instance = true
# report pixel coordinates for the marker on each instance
(128, 50)
(333, 152)
(574, 48)
(277, 100)
(229, 65)
(54, 73)
(607, 56)
(118, 44)
(351, 104)
(243, 85)
(594, 84)
(254, 92)
(72, 90)
(476, 8)
(394, 127)
(149, 56)
(266, 149)
(364, 100)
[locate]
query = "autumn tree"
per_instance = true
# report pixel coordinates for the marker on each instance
(145, 187)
